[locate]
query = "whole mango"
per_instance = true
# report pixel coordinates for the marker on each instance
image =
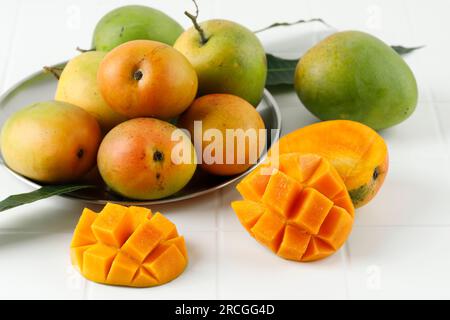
(51, 142)
(230, 60)
(78, 85)
(134, 23)
(355, 76)
(146, 158)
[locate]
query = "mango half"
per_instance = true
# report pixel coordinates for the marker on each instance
(299, 207)
(127, 247)
(359, 154)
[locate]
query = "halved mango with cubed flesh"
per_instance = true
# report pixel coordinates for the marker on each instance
(358, 153)
(301, 211)
(128, 246)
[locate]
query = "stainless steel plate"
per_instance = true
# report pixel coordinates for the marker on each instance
(41, 86)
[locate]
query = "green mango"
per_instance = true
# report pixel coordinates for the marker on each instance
(232, 60)
(134, 23)
(355, 76)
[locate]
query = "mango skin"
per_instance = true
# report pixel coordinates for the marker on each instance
(358, 153)
(134, 22)
(222, 112)
(135, 159)
(78, 85)
(354, 76)
(166, 86)
(232, 61)
(51, 142)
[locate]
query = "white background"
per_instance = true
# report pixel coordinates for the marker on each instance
(400, 245)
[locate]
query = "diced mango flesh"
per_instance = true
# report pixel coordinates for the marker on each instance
(128, 247)
(268, 230)
(304, 213)
(281, 192)
(248, 212)
(326, 180)
(83, 234)
(143, 240)
(163, 256)
(138, 215)
(294, 244)
(113, 226)
(97, 261)
(165, 226)
(254, 186)
(335, 227)
(311, 211)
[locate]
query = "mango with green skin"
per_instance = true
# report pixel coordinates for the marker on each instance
(232, 60)
(51, 142)
(134, 22)
(78, 85)
(355, 76)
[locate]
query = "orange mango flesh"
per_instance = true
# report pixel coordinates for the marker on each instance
(127, 246)
(301, 211)
(358, 153)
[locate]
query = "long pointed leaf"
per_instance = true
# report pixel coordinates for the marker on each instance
(42, 193)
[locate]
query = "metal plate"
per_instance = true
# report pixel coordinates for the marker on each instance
(41, 86)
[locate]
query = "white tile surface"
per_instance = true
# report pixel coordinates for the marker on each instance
(415, 193)
(193, 214)
(247, 270)
(37, 266)
(8, 14)
(399, 263)
(418, 137)
(227, 220)
(443, 114)
(400, 245)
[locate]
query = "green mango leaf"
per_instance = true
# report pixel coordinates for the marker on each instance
(42, 193)
(281, 71)
(288, 24)
(401, 50)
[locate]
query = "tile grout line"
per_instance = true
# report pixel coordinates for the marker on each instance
(440, 126)
(346, 259)
(412, 226)
(429, 91)
(86, 289)
(219, 203)
(11, 41)
(429, 94)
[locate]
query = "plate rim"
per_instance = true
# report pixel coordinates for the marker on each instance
(266, 96)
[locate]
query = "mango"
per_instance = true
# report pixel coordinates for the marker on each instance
(231, 59)
(127, 246)
(51, 142)
(358, 153)
(146, 158)
(134, 22)
(352, 75)
(78, 85)
(144, 78)
(222, 113)
(297, 206)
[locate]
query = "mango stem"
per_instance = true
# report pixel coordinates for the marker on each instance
(55, 71)
(203, 38)
(84, 50)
